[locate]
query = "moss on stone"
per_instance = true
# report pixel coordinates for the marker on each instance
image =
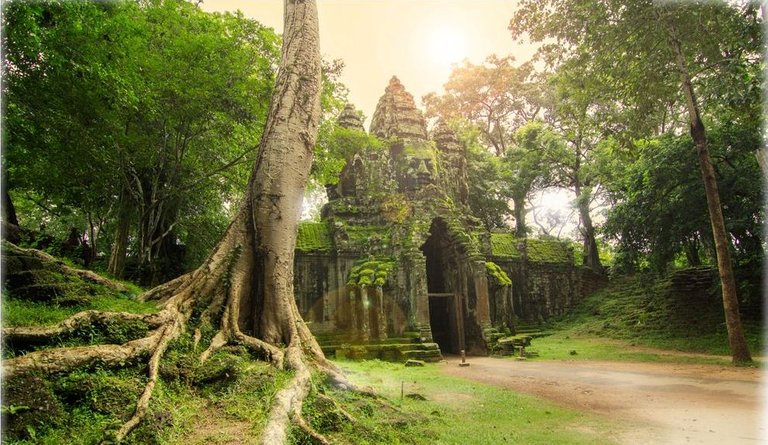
(371, 272)
(504, 245)
(549, 251)
(497, 275)
(313, 237)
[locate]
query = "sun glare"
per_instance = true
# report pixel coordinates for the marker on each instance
(447, 45)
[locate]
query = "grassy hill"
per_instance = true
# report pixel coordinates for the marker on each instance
(681, 312)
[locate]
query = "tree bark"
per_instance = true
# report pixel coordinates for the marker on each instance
(120, 246)
(739, 350)
(9, 210)
(591, 254)
(521, 229)
(762, 159)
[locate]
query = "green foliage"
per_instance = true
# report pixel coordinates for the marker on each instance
(313, 237)
(496, 97)
(660, 189)
(499, 277)
(488, 193)
(335, 147)
(158, 102)
(528, 166)
(620, 69)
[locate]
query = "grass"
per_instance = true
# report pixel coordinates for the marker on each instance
(22, 312)
(458, 411)
(17, 312)
(567, 345)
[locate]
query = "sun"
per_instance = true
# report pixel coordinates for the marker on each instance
(447, 45)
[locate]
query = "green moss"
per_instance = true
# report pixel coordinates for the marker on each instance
(548, 251)
(504, 245)
(497, 275)
(364, 233)
(313, 237)
(372, 271)
(424, 151)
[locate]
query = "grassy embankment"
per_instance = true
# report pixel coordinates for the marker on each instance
(641, 318)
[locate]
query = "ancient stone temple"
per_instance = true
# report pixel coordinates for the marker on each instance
(400, 268)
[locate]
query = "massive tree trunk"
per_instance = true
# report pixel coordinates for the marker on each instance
(245, 287)
(738, 344)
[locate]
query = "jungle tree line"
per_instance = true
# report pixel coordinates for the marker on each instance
(134, 125)
(655, 107)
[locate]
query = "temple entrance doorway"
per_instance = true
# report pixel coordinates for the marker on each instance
(444, 301)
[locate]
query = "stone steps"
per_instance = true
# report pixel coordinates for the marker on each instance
(395, 352)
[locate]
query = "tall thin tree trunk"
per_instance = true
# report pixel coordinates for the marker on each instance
(521, 229)
(9, 210)
(120, 246)
(739, 349)
(10, 227)
(591, 254)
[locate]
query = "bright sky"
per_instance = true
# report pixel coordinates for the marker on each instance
(416, 40)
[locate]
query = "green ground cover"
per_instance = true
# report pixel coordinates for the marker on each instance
(458, 411)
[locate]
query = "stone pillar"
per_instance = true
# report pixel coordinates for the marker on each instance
(480, 279)
(380, 313)
(364, 304)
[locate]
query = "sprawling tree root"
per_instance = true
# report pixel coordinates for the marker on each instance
(244, 290)
(207, 287)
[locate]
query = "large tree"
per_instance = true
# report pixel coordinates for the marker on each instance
(528, 166)
(244, 290)
(497, 97)
(651, 54)
(659, 189)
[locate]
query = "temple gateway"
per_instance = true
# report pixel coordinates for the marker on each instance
(399, 267)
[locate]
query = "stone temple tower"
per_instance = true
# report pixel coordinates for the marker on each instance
(399, 267)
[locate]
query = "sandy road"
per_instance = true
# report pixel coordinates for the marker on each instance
(654, 403)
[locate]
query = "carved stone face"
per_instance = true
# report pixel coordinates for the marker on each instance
(419, 169)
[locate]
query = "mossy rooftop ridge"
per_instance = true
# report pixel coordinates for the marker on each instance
(506, 245)
(548, 251)
(313, 237)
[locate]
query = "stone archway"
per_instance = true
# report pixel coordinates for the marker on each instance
(444, 288)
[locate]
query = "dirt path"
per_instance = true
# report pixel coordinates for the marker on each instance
(655, 403)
